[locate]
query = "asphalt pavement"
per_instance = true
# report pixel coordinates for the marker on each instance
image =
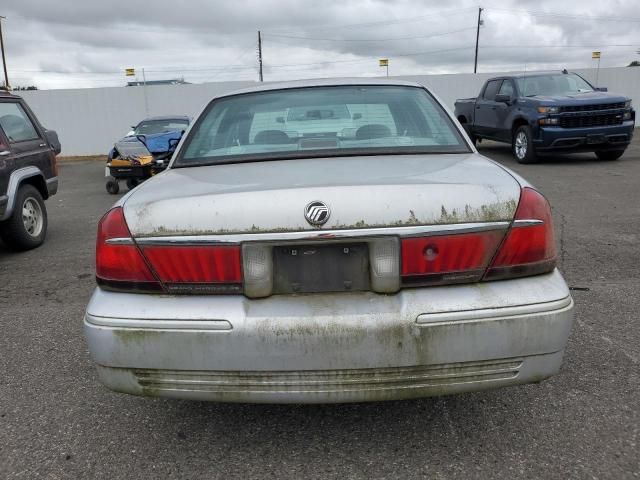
(58, 422)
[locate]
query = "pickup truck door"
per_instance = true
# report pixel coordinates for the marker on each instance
(26, 144)
(485, 115)
(503, 111)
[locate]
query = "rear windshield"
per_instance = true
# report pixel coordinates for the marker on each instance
(149, 127)
(320, 121)
(549, 85)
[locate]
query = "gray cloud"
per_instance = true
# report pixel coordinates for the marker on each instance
(80, 44)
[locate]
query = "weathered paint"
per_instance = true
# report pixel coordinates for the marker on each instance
(362, 192)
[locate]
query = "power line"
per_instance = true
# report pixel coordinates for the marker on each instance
(268, 35)
(222, 69)
(567, 15)
(442, 13)
(537, 46)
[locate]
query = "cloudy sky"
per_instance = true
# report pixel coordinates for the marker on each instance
(71, 43)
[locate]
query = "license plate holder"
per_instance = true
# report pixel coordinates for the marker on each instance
(596, 139)
(321, 268)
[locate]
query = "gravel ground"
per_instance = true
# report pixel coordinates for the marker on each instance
(57, 422)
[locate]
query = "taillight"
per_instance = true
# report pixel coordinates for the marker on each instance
(119, 263)
(54, 164)
(447, 258)
(529, 248)
(197, 269)
(122, 265)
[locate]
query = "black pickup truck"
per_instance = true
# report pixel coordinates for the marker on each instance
(28, 173)
(549, 112)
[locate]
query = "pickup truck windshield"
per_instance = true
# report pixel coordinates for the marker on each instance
(554, 84)
(320, 121)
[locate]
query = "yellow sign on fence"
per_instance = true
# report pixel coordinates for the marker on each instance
(130, 72)
(595, 54)
(384, 62)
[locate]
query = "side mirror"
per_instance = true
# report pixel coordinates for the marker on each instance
(500, 98)
(602, 89)
(52, 139)
(357, 116)
(280, 119)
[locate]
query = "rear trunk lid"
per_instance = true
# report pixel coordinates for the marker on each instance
(361, 192)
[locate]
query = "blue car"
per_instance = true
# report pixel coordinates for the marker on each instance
(145, 151)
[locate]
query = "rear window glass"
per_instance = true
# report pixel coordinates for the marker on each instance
(15, 123)
(320, 121)
(150, 127)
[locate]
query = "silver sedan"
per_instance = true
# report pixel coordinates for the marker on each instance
(327, 241)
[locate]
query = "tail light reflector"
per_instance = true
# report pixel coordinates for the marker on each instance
(197, 269)
(120, 265)
(448, 258)
(529, 248)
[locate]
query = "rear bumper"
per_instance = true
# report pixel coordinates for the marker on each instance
(331, 347)
(52, 185)
(584, 139)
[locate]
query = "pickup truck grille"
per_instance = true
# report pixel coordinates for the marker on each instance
(598, 120)
(591, 108)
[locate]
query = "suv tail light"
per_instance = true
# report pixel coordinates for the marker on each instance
(529, 247)
(54, 163)
(119, 263)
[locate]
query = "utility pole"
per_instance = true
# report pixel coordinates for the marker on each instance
(4, 61)
(475, 64)
(144, 89)
(260, 56)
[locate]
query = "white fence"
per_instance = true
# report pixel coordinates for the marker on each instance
(88, 121)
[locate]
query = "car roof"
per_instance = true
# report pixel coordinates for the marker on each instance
(535, 74)
(323, 82)
(7, 94)
(167, 117)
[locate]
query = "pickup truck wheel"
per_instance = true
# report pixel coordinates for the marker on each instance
(27, 226)
(523, 146)
(609, 155)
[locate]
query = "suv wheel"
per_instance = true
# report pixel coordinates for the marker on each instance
(522, 145)
(609, 155)
(27, 226)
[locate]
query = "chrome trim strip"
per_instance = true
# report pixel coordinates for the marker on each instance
(527, 222)
(317, 235)
(439, 319)
(120, 241)
(140, 324)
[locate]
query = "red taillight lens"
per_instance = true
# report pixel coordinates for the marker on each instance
(120, 265)
(197, 265)
(448, 258)
(529, 248)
